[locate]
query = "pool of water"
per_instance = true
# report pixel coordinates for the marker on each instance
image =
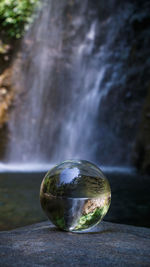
(19, 199)
(20, 205)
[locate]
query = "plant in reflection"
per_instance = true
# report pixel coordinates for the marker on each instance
(90, 219)
(60, 222)
(93, 212)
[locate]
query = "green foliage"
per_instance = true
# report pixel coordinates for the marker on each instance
(15, 15)
(90, 219)
(60, 222)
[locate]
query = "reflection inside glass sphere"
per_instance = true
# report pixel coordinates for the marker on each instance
(75, 195)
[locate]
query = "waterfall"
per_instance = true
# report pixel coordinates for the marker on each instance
(74, 79)
(58, 86)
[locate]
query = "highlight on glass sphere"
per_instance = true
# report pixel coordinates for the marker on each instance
(75, 195)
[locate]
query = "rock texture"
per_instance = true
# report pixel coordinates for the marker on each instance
(6, 95)
(43, 245)
(142, 149)
(6, 99)
(120, 110)
(8, 50)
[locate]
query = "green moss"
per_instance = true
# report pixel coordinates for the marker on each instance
(90, 219)
(60, 222)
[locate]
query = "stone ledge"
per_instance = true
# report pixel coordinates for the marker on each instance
(42, 244)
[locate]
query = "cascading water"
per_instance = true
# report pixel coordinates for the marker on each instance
(74, 71)
(61, 83)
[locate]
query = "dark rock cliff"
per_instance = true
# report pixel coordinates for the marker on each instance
(128, 75)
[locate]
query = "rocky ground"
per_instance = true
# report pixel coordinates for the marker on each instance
(43, 245)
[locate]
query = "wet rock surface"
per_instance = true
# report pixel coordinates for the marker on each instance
(127, 80)
(6, 95)
(141, 154)
(43, 245)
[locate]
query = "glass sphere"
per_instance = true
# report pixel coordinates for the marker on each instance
(75, 195)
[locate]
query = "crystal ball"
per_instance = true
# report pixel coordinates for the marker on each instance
(75, 195)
